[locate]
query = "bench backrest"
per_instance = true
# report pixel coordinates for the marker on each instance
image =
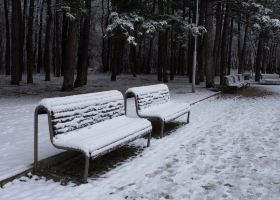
(241, 78)
(74, 112)
(148, 96)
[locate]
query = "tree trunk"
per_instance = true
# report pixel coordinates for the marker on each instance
(148, 67)
(82, 72)
(224, 46)
(133, 61)
(230, 46)
(201, 44)
(40, 49)
(8, 40)
(209, 64)
(70, 55)
(216, 51)
(58, 43)
(16, 42)
(244, 49)
(259, 58)
(47, 55)
(29, 45)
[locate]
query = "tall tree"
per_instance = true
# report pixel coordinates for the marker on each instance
(16, 42)
(82, 72)
(47, 53)
(224, 45)
(29, 45)
(8, 40)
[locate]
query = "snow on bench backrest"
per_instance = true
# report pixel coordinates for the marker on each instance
(79, 111)
(148, 96)
(229, 80)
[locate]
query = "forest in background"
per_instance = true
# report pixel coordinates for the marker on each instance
(63, 38)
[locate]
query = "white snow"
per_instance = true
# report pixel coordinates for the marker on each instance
(167, 111)
(230, 150)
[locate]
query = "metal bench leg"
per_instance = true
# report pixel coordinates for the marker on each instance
(86, 169)
(162, 128)
(35, 165)
(149, 139)
(188, 120)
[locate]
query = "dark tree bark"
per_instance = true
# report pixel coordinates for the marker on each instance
(64, 40)
(259, 57)
(82, 72)
(149, 60)
(216, 51)
(162, 49)
(133, 59)
(244, 49)
(230, 46)
(29, 45)
(8, 40)
(58, 48)
(209, 67)
(47, 55)
(16, 42)
(70, 55)
(115, 57)
(224, 46)
(40, 49)
(201, 44)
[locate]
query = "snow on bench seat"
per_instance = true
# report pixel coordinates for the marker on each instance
(94, 124)
(154, 102)
(167, 111)
(104, 135)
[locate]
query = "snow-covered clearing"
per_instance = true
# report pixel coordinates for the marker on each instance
(230, 150)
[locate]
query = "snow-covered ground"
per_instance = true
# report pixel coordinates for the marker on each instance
(17, 105)
(230, 150)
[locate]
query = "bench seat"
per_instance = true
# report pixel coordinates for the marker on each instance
(167, 111)
(270, 81)
(104, 136)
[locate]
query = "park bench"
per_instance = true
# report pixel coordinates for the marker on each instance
(270, 79)
(94, 124)
(154, 103)
(235, 81)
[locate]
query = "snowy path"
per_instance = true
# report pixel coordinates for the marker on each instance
(229, 151)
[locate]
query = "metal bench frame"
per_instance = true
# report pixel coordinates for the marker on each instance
(43, 110)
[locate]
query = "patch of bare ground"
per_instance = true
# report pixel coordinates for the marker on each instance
(250, 92)
(255, 92)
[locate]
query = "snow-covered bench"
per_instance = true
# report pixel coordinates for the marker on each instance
(270, 79)
(235, 81)
(153, 102)
(93, 124)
